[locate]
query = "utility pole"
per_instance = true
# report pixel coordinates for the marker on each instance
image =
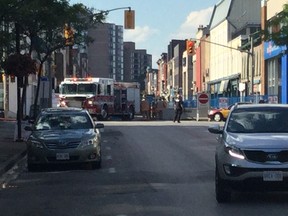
(19, 85)
(49, 81)
(252, 65)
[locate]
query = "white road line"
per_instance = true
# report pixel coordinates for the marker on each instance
(108, 157)
(112, 170)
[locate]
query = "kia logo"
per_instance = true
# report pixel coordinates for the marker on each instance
(272, 157)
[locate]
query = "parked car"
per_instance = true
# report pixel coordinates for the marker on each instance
(252, 151)
(221, 114)
(218, 114)
(64, 136)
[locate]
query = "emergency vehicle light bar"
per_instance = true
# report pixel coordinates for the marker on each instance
(75, 79)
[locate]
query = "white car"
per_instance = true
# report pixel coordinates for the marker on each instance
(252, 151)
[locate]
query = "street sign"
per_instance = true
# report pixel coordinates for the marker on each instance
(203, 105)
(203, 98)
(223, 102)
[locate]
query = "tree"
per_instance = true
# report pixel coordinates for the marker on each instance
(38, 25)
(41, 25)
(277, 28)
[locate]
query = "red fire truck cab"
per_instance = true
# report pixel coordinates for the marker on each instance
(102, 97)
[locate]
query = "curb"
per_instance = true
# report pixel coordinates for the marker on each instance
(7, 119)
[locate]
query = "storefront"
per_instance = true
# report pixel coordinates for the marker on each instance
(276, 71)
(224, 87)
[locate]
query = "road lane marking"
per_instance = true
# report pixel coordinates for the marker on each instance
(108, 157)
(112, 170)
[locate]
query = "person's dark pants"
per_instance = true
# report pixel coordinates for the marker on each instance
(178, 113)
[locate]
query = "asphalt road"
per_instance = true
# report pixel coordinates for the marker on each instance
(149, 169)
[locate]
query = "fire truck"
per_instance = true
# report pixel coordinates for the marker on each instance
(102, 97)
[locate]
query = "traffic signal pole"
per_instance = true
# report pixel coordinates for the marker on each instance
(129, 16)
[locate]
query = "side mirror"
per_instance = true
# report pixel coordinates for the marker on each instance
(215, 129)
(99, 126)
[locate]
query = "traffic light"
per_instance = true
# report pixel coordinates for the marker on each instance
(190, 46)
(129, 19)
(68, 35)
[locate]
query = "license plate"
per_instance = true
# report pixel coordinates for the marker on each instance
(272, 176)
(62, 156)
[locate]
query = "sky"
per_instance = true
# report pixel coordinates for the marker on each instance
(157, 22)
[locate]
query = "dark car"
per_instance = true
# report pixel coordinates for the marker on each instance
(64, 136)
(252, 151)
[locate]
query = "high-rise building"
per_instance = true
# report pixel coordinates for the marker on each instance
(136, 62)
(174, 70)
(105, 54)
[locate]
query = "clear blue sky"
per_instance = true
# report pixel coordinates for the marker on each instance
(157, 22)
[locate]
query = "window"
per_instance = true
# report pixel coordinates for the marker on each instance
(260, 120)
(109, 89)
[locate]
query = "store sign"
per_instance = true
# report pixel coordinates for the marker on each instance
(271, 50)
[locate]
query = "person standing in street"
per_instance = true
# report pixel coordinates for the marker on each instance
(178, 107)
(145, 109)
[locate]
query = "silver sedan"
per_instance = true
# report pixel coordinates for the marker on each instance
(64, 136)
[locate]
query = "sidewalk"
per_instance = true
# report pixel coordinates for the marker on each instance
(10, 151)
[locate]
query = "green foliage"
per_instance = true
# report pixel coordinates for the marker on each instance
(280, 34)
(41, 29)
(42, 24)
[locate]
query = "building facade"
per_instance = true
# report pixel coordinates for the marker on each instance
(174, 66)
(136, 62)
(276, 65)
(231, 22)
(162, 89)
(105, 54)
(187, 76)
